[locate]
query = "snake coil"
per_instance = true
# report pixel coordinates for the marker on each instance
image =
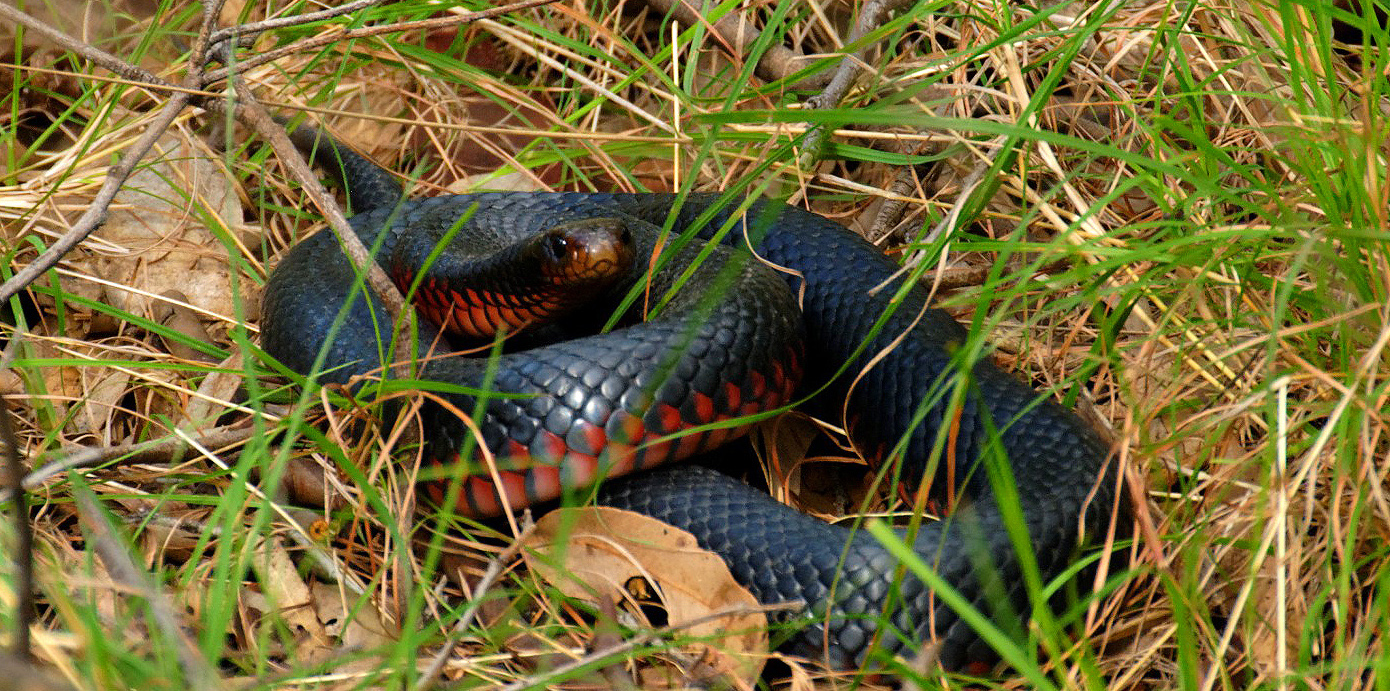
(705, 359)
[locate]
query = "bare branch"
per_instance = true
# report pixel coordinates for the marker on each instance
(430, 675)
(253, 114)
(870, 17)
(253, 28)
(95, 214)
(155, 451)
(737, 36)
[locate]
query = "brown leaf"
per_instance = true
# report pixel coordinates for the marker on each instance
(183, 320)
(156, 239)
(286, 590)
(830, 485)
(597, 552)
(356, 627)
(306, 483)
(219, 388)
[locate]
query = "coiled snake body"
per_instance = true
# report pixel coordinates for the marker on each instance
(618, 401)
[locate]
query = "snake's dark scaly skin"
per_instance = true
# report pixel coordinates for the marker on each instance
(859, 600)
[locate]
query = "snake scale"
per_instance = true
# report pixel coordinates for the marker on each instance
(734, 338)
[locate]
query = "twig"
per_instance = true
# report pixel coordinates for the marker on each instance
(156, 451)
(430, 674)
(241, 30)
(199, 54)
(872, 14)
(364, 32)
(737, 35)
(24, 536)
(95, 214)
(252, 113)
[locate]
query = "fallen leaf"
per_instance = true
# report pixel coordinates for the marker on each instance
(286, 590)
(357, 627)
(214, 396)
(600, 552)
(156, 237)
(174, 315)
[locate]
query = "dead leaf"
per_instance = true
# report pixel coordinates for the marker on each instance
(831, 485)
(85, 399)
(100, 399)
(293, 600)
(175, 315)
(215, 395)
(156, 237)
(599, 552)
(306, 483)
(357, 628)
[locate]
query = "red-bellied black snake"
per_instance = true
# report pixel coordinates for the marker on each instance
(730, 343)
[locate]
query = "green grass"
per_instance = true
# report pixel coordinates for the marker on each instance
(1187, 240)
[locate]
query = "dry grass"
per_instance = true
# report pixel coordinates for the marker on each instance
(1173, 216)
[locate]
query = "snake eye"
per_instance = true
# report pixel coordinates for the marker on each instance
(557, 245)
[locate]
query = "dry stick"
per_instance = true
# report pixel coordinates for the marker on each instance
(118, 562)
(240, 30)
(250, 111)
(155, 451)
(870, 17)
(95, 214)
(737, 35)
(117, 175)
(430, 674)
(253, 114)
(366, 31)
(24, 536)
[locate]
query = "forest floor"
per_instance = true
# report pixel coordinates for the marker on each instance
(1173, 217)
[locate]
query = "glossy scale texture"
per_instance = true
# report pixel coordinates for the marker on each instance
(708, 358)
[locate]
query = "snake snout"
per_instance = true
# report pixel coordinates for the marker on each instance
(595, 252)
